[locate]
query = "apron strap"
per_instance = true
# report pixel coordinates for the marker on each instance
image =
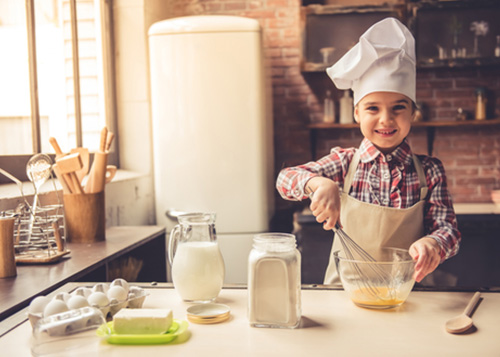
(418, 167)
(351, 171)
(421, 177)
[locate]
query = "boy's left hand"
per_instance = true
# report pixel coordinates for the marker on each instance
(425, 253)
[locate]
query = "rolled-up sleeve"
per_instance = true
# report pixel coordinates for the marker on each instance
(291, 181)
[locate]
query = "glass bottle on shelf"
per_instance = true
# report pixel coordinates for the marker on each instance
(328, 108)
(481, 103)
(497, 47)
(346, 109)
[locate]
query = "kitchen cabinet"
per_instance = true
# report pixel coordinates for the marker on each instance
(331, 325)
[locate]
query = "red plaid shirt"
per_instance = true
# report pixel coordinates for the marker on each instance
(385, 180)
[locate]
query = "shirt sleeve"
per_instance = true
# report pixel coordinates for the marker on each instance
(440, 219)
(291, 181)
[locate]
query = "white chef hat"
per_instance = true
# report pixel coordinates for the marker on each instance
(382, 61)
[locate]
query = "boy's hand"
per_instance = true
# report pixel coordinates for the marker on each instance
(425, 253)
(325, 203)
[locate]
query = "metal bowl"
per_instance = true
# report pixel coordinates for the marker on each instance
(382, 284)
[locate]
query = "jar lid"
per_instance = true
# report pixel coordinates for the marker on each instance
(208, 313)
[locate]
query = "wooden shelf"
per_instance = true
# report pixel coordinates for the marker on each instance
(417, 124)
(430, 126)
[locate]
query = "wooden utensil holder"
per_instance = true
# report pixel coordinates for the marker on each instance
(7, 253)
(85, 217)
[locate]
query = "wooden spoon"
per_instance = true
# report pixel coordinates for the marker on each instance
(463, 322)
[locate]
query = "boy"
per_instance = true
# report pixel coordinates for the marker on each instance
(381, 193)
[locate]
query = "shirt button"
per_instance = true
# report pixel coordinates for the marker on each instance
(385, 201)
(387, 176)
(388, 157)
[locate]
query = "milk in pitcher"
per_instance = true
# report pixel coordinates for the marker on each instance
(198, 271)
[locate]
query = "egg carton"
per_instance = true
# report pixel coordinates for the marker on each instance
(108, 298)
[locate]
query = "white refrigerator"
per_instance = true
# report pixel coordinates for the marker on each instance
(212, 129)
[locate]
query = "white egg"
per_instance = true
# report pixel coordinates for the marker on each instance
(98, 299)
(117, 292)
(38, 304)
(101, 287)
(55, 306)
(121, 282)
(77, 301)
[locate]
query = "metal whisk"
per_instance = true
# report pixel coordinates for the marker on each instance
(367, 273)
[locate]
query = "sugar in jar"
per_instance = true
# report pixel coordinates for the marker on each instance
(274, 281)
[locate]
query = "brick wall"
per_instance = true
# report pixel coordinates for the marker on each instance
(470, 155)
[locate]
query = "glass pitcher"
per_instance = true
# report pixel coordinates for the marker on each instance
(193, 252)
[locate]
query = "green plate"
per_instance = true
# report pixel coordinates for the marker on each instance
(107, 332)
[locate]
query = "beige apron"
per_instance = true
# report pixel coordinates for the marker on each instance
(373, 226)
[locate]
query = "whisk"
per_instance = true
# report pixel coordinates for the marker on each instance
(367, 273)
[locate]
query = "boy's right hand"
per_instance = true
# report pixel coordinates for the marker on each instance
(325, 202)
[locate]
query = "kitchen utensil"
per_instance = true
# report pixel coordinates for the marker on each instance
(85, 157)
(17, 181)
(104, 138)
(98, 172)
(366, 272)
(463, 322)
(68, 165)
(85, 217)
(197, 264)
(7, 255)
(109, 140)
(382, 283)
(61, 178)
(38, 170)
(57, 148)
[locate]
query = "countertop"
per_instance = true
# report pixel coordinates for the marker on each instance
(40, 279)
(331, 325)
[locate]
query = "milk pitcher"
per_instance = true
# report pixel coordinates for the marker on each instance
(193, 252)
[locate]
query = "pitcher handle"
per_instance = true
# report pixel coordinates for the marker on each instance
(173, 237)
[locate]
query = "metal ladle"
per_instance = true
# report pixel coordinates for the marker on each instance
(38, 170)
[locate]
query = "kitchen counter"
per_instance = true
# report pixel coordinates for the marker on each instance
(84, 262)
(331, 325)
(476, 208)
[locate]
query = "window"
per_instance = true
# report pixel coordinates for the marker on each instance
(38, 78)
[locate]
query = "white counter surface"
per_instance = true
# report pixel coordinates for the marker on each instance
(331, 325)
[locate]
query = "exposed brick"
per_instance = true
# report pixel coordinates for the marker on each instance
(236, 5)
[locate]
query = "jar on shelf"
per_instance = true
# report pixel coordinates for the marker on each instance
(274, 281)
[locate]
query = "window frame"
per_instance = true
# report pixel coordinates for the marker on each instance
(16, 164)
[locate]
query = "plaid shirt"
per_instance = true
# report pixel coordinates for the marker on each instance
(385, 180)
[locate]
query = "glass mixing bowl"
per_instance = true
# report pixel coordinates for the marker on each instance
(382, 284)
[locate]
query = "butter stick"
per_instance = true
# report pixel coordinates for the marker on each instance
(142, 321)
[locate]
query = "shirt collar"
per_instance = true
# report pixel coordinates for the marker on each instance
(402, 154)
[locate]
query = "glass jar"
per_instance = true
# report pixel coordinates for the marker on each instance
(274, 281)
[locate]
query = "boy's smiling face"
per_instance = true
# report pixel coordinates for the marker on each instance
(385, 119)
